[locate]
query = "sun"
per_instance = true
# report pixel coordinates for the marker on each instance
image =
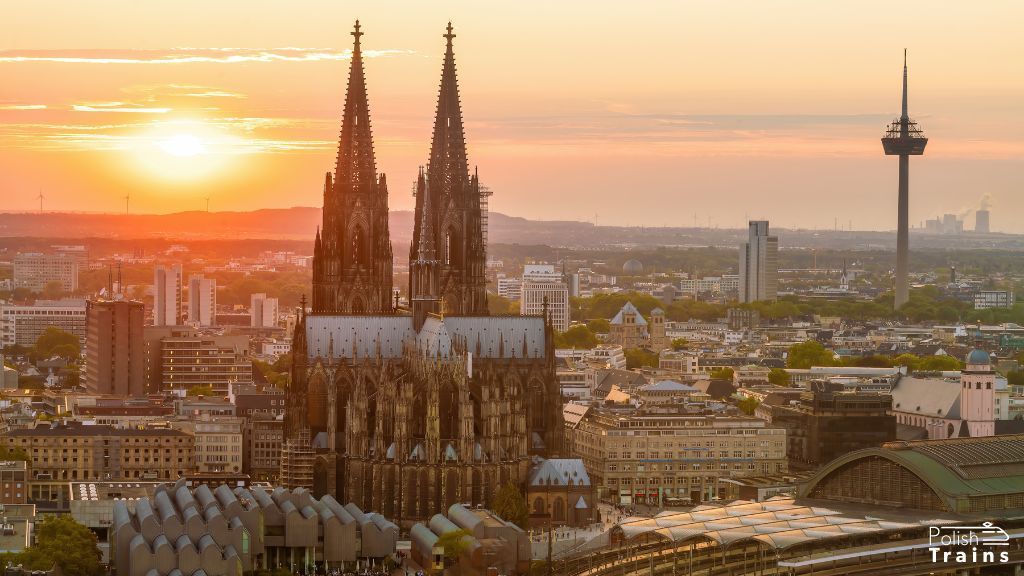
(182, 145)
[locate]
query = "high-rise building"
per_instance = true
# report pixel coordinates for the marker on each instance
(114, 357)
(759, 264)
(34, 271)
(263, 311)
(413, 413)
(167, 296)
(981, 225)
(903, 138)
(538, 297)
(202, 300)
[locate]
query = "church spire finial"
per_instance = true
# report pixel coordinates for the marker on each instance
(356, 33)
(449, 35)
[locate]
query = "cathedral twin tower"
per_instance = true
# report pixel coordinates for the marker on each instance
(352, 255)
(407, 412)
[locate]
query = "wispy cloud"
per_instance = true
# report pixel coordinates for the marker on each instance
(22, 106)
(118, 107)
(187, 55)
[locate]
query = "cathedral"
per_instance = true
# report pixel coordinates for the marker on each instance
(408, 410)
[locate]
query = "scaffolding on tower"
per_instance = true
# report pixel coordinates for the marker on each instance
(485, 195)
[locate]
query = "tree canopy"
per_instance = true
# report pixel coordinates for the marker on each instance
(748, 404)
(56, 342)
(809, 353)
(200, 391)
(578, 336)
(778, 376)
(454, 544)
(510, 504)
(638, 358)
(722, 373)
(63, 541)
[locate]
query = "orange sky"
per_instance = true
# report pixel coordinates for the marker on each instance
(651, 113)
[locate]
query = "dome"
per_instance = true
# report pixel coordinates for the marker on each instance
(978, 356)
(632, 267)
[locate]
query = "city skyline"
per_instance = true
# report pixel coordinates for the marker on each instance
(714, 126)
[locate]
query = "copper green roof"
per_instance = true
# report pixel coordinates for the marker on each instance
(956, 468)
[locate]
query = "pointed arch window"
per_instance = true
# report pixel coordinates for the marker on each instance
(358, 248)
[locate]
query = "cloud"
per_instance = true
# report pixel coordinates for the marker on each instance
(187, 55)
(22, 106)
(118, 107)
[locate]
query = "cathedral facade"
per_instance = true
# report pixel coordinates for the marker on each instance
(407, 411)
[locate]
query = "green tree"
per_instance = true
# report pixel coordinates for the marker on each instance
(454, 544)
(599, 325)
(501, 305)
(809, 353)
(638, 358)
(778, 376)
(200, 391)
(62, 541)
(911, 361)
(679, 344)
(748, 404)
(510, 504)
(722, 374)
(56, 342)
(939, 363)
(578, 336)
(1015, 378)
(53, 290)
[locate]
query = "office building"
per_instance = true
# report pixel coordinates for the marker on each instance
(985, 299)
(828, 422)
(34, 271)
(22, 325)
(643, 458)
(541, 273)
(202, 300)
(190, 359)
(75, 451)
(262, 442)
(759, 264)
(263, 311)
(218, 440)
(167, 296)
(511, 288)
(538, 295)
(114, 351)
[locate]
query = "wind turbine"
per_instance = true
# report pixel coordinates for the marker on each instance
(40, 200)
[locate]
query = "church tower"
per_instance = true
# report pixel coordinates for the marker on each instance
(352, 252)
(977, 395)
(454, 211)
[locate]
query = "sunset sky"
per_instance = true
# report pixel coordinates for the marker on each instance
(652, 113)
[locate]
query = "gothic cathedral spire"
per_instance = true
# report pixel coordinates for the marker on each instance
(454, 210)
(352, 264)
